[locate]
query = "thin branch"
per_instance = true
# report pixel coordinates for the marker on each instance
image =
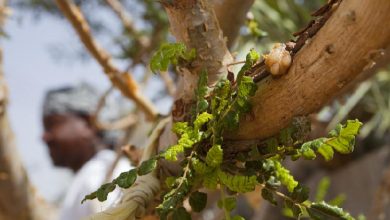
(169, 84)
(122, 81)
(117, 7)
(141, 42)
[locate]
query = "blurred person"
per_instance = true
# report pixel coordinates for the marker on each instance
(75, 143)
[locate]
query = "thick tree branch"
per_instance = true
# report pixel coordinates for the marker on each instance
(194, 23)
(123, 81)
(348, 44)
(231, 16)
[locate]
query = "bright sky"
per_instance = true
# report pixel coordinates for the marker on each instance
(30, 70)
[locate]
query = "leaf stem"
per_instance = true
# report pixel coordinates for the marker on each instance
(226, 212)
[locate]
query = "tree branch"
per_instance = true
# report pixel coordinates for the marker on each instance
(231, 16)
(342, 49)
(122, 81)
(194, 23)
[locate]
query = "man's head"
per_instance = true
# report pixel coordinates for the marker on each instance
(69, 133)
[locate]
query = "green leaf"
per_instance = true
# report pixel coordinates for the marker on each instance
(322, 189)
(345, 140)
(324, 211)
(198, 201)
(147, 167)
(300, 194)
(172, 152)
(228, 203)
(238, 183)
(307, 151)
(326, 151)
(210, 181)
(251, 59)
(269, 196)
(201, 92)
(89, 197)
(214, 156)
(284, 176)
(169, 53)
(202, 119)
(170, 181)
(181, 214)
(199, 167)
(126, 179)
(181, 128)
(237, 217)
(104, 190)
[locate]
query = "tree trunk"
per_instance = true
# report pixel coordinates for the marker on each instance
(18, 200)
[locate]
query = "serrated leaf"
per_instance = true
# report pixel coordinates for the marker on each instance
(324, 211)
(237, 183)
(180, 128)
(326, 151)
(198, 201)
(199, 167)
(284, 176)
(214, 156)
(251, 59)
(172, 152)
(345, 141)
(181, 214)
(104, 190)
(126, 179)
(307, 151)
(228, 203)
(269, 196)
(169, 53)
(210, 181)
(202, 119)
(147, 167)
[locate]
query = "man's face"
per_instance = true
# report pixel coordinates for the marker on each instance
(70, 139)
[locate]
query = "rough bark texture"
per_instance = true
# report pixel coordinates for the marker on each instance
(195, 24)
(340, 51)
(231, 16)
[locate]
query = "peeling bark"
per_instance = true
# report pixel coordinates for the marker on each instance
(341, 50)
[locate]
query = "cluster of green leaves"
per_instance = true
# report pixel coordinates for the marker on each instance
(124, 180)
(205, 162)
(341, 139)
(170, 53)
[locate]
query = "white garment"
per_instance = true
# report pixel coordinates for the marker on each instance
(88, 179)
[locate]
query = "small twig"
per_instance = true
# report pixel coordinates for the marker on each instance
(169, 84)
(235, 63)
(117, 7)
(141, 42)
(123, 81)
